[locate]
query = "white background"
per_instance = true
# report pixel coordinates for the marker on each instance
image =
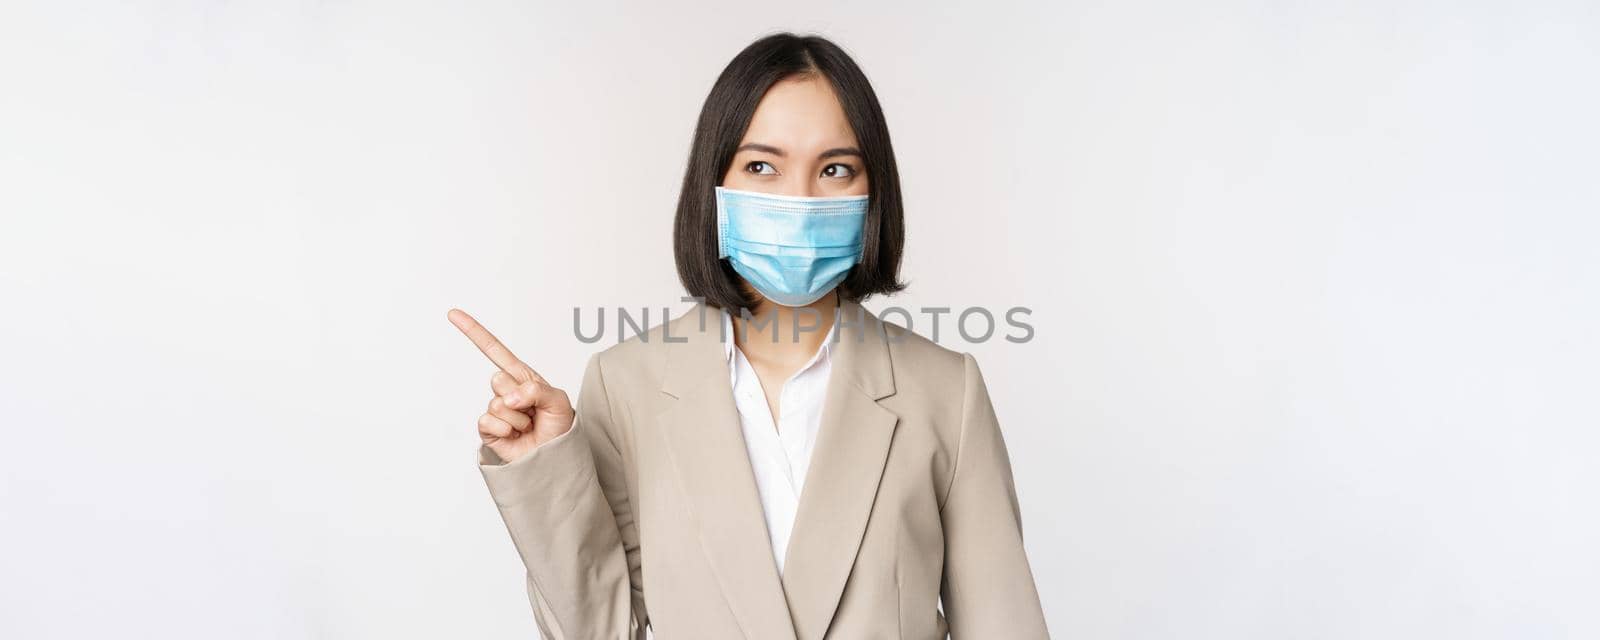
(1314, 284)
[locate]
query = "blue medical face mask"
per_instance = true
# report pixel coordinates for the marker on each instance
(792, 249)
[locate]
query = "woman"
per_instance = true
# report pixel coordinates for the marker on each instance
(777, 463)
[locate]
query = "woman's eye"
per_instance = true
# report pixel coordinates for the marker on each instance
(761, 168)
(837, 170)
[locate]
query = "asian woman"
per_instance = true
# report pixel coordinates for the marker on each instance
(777, 463)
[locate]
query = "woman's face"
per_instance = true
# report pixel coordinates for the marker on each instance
(799, 144)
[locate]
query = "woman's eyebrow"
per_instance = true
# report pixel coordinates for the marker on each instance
(767, 148)
(756, 146)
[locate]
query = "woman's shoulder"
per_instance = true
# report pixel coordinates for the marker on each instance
(922, 362)
(642, 358)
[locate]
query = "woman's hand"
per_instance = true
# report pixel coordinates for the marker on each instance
(525, 411)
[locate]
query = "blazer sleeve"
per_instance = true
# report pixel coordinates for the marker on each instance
(566, 506)
(988, 589)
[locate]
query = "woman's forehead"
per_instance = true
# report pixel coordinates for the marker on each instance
(800, 114)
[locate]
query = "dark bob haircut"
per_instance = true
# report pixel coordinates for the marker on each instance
(723, 121)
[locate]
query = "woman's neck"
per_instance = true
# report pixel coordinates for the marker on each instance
(785, 337)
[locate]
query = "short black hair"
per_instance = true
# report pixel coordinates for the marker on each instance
(726, 116)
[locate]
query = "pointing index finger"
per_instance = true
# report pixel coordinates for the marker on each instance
(491, 346)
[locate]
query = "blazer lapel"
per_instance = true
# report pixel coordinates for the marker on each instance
(846, 466)
(703, 436)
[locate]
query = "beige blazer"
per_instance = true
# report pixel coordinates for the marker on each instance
(646, 513)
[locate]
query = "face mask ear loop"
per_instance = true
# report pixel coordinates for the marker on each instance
(722, 226)
(862, 254)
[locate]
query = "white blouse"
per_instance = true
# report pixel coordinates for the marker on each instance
(781, 453)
